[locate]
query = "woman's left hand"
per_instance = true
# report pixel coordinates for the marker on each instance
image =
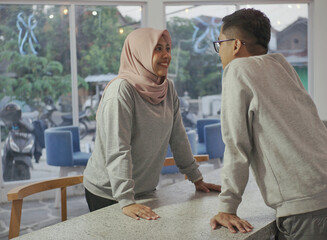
(206, 187)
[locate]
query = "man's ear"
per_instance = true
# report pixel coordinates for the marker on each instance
(237, 46)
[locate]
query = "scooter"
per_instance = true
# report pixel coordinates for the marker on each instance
(19, 146)
(67, 119)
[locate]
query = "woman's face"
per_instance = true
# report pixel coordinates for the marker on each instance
(161, 58)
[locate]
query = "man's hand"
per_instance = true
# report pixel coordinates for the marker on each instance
(230, 221)
(138, 211)
(206, 187)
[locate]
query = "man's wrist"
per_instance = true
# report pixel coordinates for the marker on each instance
(197, 180)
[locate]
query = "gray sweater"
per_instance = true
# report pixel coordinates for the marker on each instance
(132, 138)
(269, 122)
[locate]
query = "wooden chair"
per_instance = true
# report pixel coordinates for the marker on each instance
(70, 158)
(169, 161)
(17, 195)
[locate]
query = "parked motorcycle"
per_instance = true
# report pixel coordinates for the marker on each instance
(67, 119)
(19, 146)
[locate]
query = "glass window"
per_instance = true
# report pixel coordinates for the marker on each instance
(196, 68)
(35, 73)
(289, 34)
(35, 66)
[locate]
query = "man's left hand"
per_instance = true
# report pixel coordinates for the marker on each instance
(206, 187)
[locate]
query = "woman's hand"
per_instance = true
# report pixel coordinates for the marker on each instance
(138, 211)
(206, 187)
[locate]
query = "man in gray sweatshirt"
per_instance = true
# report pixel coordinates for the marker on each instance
(271, 124)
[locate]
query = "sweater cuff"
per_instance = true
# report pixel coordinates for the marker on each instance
(198, 179)
(227, 207)
(195, 175)
(127, 200)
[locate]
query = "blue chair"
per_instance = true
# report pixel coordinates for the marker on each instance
(215, 146)
(174, 169)
(63, 150)
(62, 146)
(202, 144)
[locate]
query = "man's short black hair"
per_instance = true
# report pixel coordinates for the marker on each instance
(249, 25)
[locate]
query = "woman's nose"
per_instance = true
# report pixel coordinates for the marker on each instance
(165, 54)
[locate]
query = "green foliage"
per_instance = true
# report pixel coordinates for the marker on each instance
(180, 28)
(99, 42)
(198, 74)
(30, 78)
(35, 77)
(99, 46)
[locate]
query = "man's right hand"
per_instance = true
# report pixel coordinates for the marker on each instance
(230, 221)
(138, 211)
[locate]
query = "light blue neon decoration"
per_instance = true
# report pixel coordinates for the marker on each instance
(28, 29)
(212, 30)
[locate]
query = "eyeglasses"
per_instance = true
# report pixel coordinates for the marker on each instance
(216, 44)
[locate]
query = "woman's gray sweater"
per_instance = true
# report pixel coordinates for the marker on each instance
(132, 138)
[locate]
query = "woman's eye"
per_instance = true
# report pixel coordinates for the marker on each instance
(168, 49)
(158, 48)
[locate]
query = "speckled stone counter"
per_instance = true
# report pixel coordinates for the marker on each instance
(185, 214)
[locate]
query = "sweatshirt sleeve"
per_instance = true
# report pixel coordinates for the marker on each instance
(236, 118)
(117, 119)
(180, 145)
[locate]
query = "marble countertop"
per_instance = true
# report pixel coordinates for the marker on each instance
(184, 214)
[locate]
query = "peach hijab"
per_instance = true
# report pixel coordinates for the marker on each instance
(136, 63)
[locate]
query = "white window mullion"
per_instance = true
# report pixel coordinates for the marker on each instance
(73, 63)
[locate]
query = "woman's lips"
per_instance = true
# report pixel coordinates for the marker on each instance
(164, 64)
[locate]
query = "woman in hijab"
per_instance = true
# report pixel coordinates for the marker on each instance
(137, 118)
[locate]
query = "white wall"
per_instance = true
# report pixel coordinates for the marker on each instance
(319, 57)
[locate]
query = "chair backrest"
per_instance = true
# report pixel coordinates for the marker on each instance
(200, 126)
(213, 140)
(60, 144)
(191, 135)
(192, 139)
(75, 135)
(17, 195)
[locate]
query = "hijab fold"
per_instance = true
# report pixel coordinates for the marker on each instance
(136, 64)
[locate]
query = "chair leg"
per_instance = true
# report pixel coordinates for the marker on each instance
(63, 204)
(62, 173)
(220, 162)
(16, 213)
(57, 198)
